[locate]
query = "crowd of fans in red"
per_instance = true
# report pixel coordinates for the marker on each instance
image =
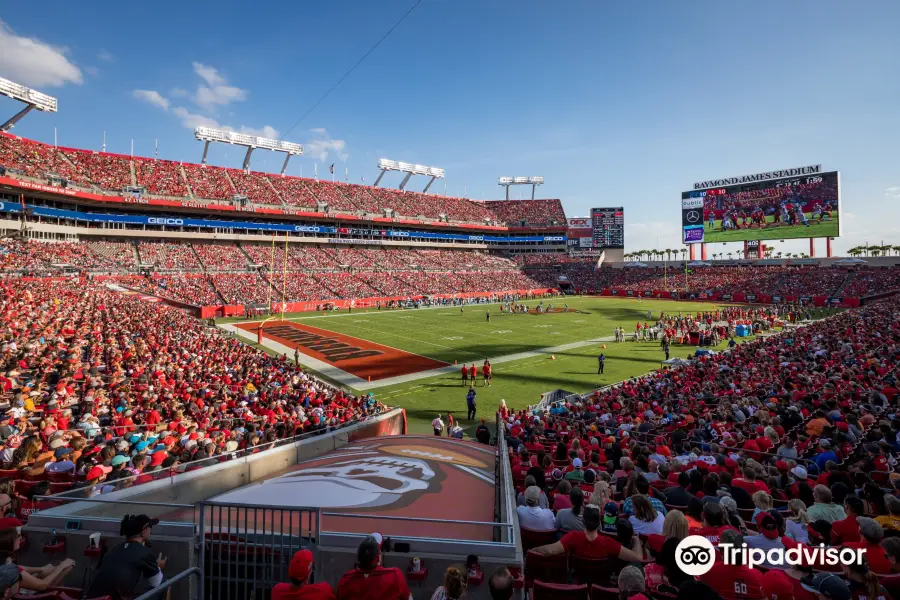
(768, 280)
(113, 172)
(785, 442)
(106, 390)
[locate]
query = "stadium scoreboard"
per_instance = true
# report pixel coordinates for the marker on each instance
(793, 203)
(608, 226)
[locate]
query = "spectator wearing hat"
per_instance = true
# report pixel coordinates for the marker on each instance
(483, 433)
(531, 515)
(825, 454)
(734, 581)
(847, 530)
(827, 586)
(872, 534)
(299, 570)
(610, 517)
(824, 508)
(770, 532)
(62, 461)
(130, 568)
(576, 474)
(589, 543)
(631, 583)
(369, 579)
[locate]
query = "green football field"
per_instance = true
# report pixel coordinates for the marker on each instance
(449, 335)
(781, 232)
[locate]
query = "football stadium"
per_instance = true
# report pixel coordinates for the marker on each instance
(251, 376)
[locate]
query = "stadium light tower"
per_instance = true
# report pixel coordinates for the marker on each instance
(532, 181)
(392, 165)
(251, 142)
(32, 99)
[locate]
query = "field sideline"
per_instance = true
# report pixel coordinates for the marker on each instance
(516, 344)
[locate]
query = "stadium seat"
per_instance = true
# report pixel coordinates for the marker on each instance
(604, 593)
(559, 591)
(592, 571)
(547, 568)
(532, 538)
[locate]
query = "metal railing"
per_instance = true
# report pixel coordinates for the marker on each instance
(245, 550)
(158, 592)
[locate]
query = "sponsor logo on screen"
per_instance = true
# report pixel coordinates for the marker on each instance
(691, 203)
(693, 216)
(693, 234)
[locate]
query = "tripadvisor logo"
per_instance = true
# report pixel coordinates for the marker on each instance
(695, 555)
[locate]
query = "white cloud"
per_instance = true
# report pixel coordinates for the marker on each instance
(31, 62)
(216, 92)
(104, 56)
(207, 98)
(192, 120)
(267, 131)
(893, 192)
(323, 145)
(151, 97)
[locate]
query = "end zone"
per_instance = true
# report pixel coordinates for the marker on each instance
(338, 355)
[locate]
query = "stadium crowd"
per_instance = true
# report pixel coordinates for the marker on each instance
(785, 442)
(113, 172)
(106, 391)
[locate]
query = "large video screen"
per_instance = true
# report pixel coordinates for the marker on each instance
(794, 207)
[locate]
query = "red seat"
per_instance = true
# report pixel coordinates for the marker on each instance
(60, 477)
(591, 571)
(546, 568)
(10, 474)
(604, 593)
(559, 591)
(891, 583)
(21, 486)
(532, 538)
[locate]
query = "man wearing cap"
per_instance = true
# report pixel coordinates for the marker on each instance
(131, 568)
(589, 543)
(872, 533)
(61, 461)
(531, 515)
(770, 531)
(298, 589)
(733, 581)
(369, 579)
(825, 454)
(827, 586)
(576, 474)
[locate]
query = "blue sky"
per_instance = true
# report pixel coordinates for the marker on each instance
(613, 103)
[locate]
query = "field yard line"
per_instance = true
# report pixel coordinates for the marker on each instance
(407, 338)
(497, 360)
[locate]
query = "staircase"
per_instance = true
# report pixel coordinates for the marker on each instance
(244, 252)
(850, 278)
(137, 254)
(133, 172)
(231, 183)
(277, 193)
(187, 184)
(200, 260)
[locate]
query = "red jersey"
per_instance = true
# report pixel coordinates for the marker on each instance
(465, 371)
(877, 559)
(734, 582)
(751, 487)
(846, 530)
(486, 370)
(473, 371)
(576, 542)
(378, 584)
(310, 591)
(710, 533)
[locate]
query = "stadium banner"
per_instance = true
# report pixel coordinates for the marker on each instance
(162, 202)
(795, 172)
(173, 221)
(581, 223)
(792, 207)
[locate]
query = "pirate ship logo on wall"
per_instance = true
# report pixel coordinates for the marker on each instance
(370, 475)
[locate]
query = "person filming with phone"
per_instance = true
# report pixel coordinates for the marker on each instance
(130, 569)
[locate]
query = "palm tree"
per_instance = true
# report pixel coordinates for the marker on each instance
(730, 254)
(876, 250)
(684, 252)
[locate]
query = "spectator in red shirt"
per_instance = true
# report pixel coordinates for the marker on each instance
(872, 534)
(589, 543)
(298, 589)
(713, 523)
(847, 530)
(748, 482)
(733, 581)
(369, 580)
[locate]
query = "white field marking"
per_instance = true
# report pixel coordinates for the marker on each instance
(502, 331)
(542, 326)
(453, 338)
